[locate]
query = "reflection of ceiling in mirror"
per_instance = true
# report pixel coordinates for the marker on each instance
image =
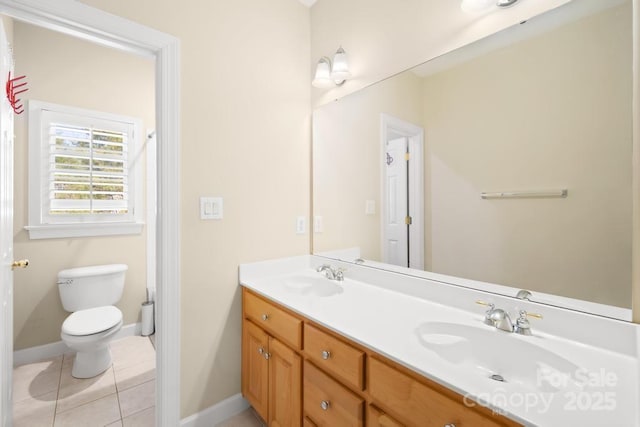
(532, 28)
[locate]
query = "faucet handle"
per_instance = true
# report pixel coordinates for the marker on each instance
(487, 304)
(523, 327)
(487, 315)
(524, 314)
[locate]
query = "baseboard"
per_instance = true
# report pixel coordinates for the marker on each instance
(217, 413)
(47, 351)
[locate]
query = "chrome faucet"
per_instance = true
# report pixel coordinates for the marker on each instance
(331, 273)
(523, 294)
(497, 317)
(500, 319)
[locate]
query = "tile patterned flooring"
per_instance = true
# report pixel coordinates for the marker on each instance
(45, 394)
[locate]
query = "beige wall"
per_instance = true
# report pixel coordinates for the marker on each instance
(385, 37)
(557, 119)
(346, 168)
(246, 137)
(71, 72)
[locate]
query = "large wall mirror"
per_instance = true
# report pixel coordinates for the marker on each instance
(504, 165)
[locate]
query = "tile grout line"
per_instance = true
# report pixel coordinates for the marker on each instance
(115, 382)
(55, 408)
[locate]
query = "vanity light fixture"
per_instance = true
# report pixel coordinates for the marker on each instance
(475, 6)
(330, 73)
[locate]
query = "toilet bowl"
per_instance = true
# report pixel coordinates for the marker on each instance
(89, 294)
(88, 333)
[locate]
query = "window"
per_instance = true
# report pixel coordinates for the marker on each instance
(83, 172)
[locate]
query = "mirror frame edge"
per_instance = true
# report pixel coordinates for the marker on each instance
(635, 263)
(76, 18)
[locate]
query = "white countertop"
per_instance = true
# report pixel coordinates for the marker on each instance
(605, 388)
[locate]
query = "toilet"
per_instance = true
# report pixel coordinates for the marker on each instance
(89, 294)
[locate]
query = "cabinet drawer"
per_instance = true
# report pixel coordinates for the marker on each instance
(415, 404)
(334, 356)
(273, 319)
(328, 403)
(308, 423)
(377, 418)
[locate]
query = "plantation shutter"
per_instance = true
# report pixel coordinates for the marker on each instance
(88, 166)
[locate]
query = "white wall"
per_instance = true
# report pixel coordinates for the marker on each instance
(67, 71)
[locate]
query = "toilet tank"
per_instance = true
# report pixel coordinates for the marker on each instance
(89, 287)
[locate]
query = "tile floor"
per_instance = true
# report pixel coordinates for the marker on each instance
(45, 393)
(248, 418)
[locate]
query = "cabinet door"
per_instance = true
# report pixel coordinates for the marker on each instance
(255, 367)
(285, 394)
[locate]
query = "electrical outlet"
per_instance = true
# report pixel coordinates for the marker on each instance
(301, 225)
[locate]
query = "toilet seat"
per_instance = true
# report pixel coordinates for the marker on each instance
(92, 321)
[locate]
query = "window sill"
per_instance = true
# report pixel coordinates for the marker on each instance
(83, 230)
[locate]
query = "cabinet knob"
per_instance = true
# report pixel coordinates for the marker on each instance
(325, 405)
(260, 350)
(265, 317)
(268, 356)
(325, 354)
(450, 425)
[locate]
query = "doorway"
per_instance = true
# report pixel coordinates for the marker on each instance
(402, 188)
(88, 23)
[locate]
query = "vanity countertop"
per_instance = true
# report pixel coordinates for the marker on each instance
(602, 388)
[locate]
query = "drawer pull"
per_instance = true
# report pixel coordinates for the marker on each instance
(325, 354)
(265, 317)
(325, 405)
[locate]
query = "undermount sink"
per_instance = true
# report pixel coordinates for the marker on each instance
(497, 355)
(312, 285)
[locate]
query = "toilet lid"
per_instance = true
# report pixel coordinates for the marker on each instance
(92, 320)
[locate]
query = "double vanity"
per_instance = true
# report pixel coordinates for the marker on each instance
(349, 345)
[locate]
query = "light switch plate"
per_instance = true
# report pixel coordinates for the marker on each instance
(211, 208)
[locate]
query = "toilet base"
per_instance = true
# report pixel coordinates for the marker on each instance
(88, 364)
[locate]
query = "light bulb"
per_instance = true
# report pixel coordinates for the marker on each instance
(322, 78)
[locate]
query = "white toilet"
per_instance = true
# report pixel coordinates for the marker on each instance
(89, 293)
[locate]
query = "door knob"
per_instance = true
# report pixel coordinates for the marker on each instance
(23, 263)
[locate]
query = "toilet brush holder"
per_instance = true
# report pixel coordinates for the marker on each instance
(147, 318)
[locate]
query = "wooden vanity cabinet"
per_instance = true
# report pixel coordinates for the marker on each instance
(297, 373)
(271, 370)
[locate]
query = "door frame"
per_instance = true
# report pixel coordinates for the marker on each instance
(6, 238)
(86, 22)
(393, 127)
